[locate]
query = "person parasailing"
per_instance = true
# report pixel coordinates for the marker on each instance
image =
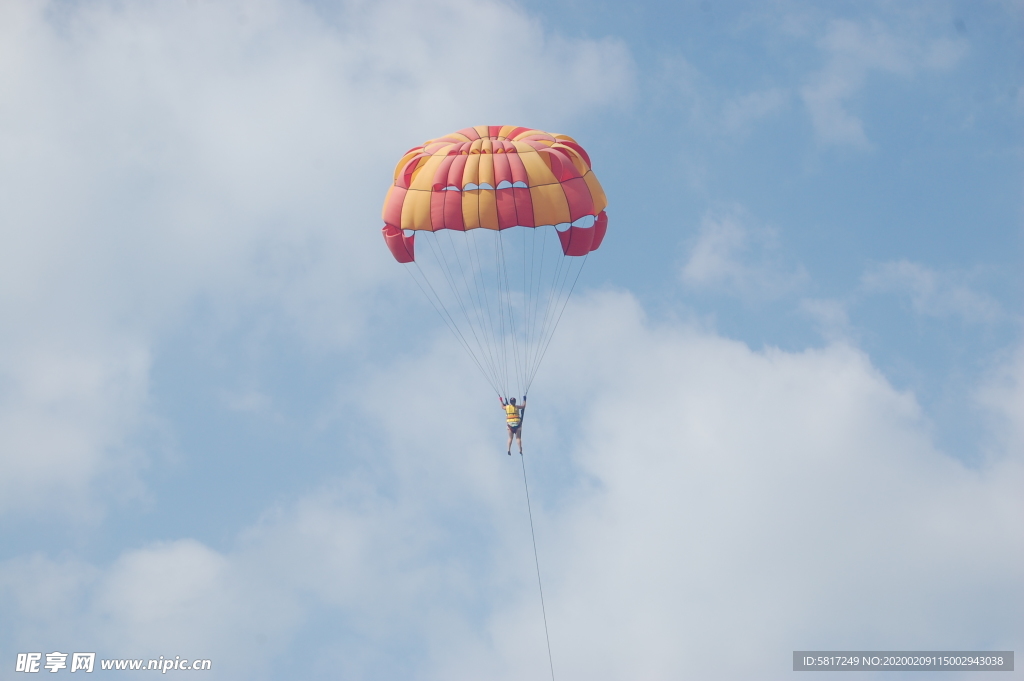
(514, 421)
(505, 218)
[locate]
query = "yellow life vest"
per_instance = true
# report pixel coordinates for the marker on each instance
(512, 414)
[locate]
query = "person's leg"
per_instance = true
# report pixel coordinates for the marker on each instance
(509, 452)
(519, 438)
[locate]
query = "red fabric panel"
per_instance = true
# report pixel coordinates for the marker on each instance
(519, 173)
(564, 238)
(577, 193)
(393, 206)
(518, 131)
(561, 165)
(437, 209)
(576, 240)
(493, 130)
(401, 246)
(506, 201)
(441, 174)
(456, 169)
(502, 171)
(578, 148)
(471, 133)
(524, 206)
(453, 211)
(600, 227)
(554, 162)
(569, 170)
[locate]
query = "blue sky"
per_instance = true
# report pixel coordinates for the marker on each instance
(785, 409)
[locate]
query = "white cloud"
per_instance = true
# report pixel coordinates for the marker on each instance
(1002, 394)
(935, 294)
(740, 113)
(852, 51)
(697, 499)
(831, 316)
(156, 155)
(729, 256)
(65, 416)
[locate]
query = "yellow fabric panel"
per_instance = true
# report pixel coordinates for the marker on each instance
(596, 191)
(549, 205)
(536, 169)
(577, 160)
(471, 208)
(405, 159)
(423, 176)
(475, 147)
(416, 210)
(472, 170)
(443, 150)
(506, 129)
(488, 209)
(486, 146)
(485, 172)
(481, 130)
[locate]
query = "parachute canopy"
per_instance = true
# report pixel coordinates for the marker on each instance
(505, 214)
(496, 177)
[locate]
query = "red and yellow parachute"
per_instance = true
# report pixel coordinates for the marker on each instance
(482, 182)
(496, 177)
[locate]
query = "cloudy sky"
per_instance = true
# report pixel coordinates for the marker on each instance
(784, 410)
